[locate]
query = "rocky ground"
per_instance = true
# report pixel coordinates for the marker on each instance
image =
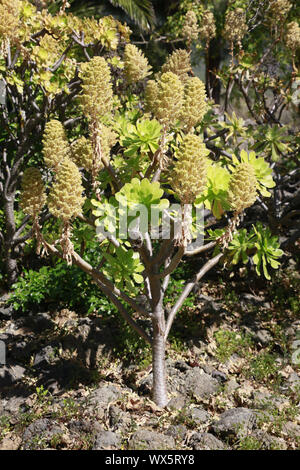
(233, 376)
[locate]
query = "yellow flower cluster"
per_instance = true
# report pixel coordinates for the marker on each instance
(97, 94)
(136, 66)
(33, 196)
(65, 199)
(194, 106)
(279, 9)
(293, 36)
(151, 91)
(108, 140)
(55, 144)
(179, 63)
(242, 187)
(82, 153)
(188, 177)
(207, 30)
(169, 99)
(190, 29)
(164, 98)
(9, 19)
(235, 25)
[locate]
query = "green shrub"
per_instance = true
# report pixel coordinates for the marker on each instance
(264, 367)
(230, 342)
(58, 287)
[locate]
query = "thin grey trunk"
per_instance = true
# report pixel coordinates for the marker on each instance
(159, 390)
(10, 229)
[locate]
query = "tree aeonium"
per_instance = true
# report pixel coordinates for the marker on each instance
(144, 204)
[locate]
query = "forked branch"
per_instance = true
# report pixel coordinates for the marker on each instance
(187, 290)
